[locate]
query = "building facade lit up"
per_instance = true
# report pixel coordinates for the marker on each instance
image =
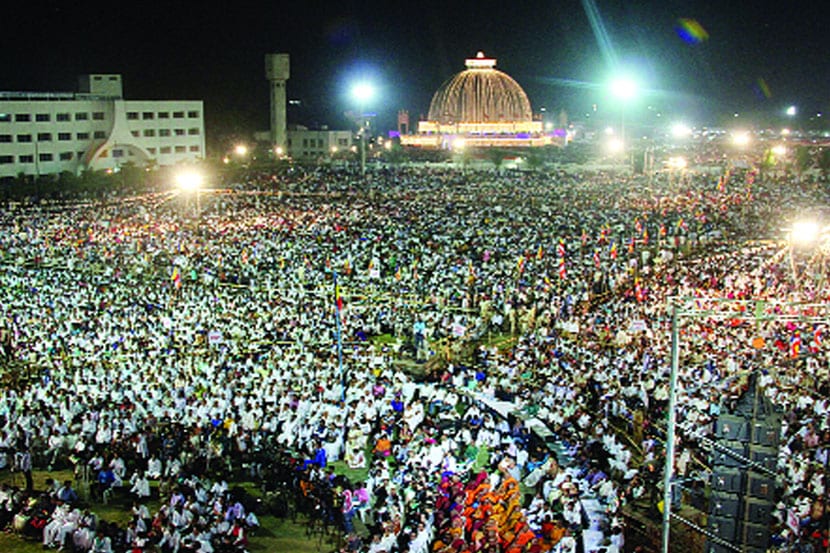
(479, 107)
(43, 133)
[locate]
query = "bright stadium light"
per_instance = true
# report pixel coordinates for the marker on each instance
(241, 150)
(677, 162)
(615, 146)
(189, 181)
(779, 150)
(363, 92)
(804, 233)
(792, 111)
(740, 138)
(624, 88)
(680, 130)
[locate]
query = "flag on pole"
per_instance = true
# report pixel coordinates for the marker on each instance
(560, 248)
(176, 277)
(613, 251)
(795, 344)
(562, 272)
(596, 258)
(338, 299)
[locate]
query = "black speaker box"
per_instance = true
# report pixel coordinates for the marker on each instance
(726, 528)
(727, 480)
(755, 535)
(762, 487)
(758, 511)
(730, 427)
(727, 454)
(724, 505)
(765, 433)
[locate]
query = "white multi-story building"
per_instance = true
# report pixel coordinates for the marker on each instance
(309, 144)
(45, 133)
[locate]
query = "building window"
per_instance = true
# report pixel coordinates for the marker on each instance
(45, 157)
(147, 115)
(149, 132)
(178, 115)
(81, 155)
(179, 132)
(5, 117)
(28, 158)
(81, 116)
(64, 136)
(132, 115)
(193, 114)
(165, 149)
(164, 115)
(5, 160)
(99, 134)
(24, 137)
(5, 138)
(42, 117)
(62, 117)
(98, 116)
(44, 137)
(193, 132)
(180, 149)
(118, 153)
(151, 151)
(194, 148)
(82, 136)
(164, 132)
(134, 133)
(22, 117)
(66, 156)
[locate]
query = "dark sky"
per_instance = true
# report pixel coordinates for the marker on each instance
(214, 52)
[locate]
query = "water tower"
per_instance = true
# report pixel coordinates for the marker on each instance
(277, 73)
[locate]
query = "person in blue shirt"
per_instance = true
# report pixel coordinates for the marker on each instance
(66, 494)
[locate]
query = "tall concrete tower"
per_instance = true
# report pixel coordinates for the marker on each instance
(277, 72)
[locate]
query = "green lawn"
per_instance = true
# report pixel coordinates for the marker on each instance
(274, 535)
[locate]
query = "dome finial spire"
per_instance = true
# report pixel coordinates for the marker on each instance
(480, 62)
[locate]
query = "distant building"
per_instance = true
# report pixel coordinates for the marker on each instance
(309, 144)
(479, 107)
(44, 133)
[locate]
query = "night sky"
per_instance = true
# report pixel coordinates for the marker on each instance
(759, 56)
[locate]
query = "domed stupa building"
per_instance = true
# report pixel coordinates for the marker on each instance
(479, 107)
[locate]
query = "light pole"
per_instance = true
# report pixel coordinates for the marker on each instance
(363, 93)
(624, 89)
(191, 182)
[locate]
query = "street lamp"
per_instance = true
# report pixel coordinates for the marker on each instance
(624, 89)
(191, 182)
(363, 93)
(241, 150)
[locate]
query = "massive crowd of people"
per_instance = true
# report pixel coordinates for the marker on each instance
(187, 340)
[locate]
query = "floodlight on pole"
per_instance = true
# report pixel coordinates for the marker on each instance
(189, 181)
(624, 89)
(804, 233)
(241, 150)
(363, 92)
(680, 130)
(792, 111)
(740, 138)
